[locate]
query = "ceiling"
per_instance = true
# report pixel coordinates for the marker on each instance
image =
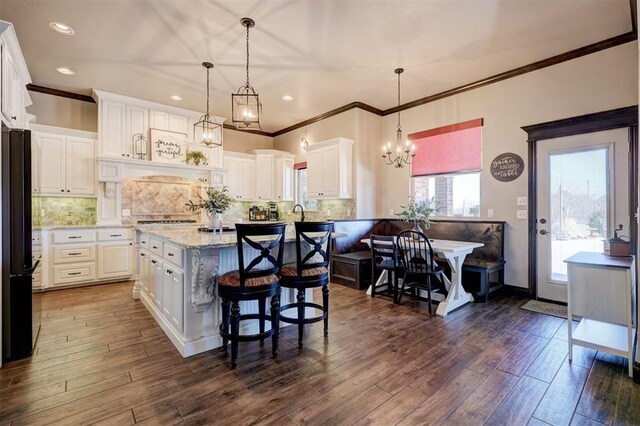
(324, 53)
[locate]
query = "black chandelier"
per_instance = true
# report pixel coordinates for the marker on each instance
(207, 125)
(403, 155)
(245, 105)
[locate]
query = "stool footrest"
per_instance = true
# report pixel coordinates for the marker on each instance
(247, 337)
(290, 320)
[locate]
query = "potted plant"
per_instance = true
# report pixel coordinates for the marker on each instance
(215, 201)
(196, 157)
(416, 212)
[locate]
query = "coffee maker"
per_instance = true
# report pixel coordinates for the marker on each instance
(273, 211)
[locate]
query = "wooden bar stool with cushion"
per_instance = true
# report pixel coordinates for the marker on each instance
(417, 259)
(313, 251)
(257, 278)
(384, 257)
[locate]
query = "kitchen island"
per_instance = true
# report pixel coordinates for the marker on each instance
(177, 270)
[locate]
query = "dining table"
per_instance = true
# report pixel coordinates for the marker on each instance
(454, 252)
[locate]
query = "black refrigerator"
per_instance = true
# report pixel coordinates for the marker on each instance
(20, 307)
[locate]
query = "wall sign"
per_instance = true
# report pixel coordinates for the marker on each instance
(168, 147)
(507, 167)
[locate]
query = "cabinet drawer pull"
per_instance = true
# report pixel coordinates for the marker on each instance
(74, 273)
(155, 247)
(142, 254)
(154, 262)
(170, 254)
(115, 235)
(169, 271)
(75, 254)
(75, 237)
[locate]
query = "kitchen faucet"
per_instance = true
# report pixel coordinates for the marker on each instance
(301, 211)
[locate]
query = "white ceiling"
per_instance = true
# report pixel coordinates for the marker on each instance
(325, 53)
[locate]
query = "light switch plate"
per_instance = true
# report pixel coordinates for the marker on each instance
(390, 212)
(521, 201)
(126, 212)
(490, 213)
(521, 214)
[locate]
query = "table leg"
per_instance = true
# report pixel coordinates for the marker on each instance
(457, 295)
(382, 280)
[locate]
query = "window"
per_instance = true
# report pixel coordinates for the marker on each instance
(446, 169)
(301, 191)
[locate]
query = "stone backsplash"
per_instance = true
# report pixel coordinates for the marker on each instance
(327, 209)
(61, 211)
(159, 198)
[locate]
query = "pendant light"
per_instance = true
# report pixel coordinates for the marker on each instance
(245, 105)
(403, 155)
(208, 128)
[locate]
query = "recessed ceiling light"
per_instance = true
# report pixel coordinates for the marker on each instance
(176, 97)
(61, 28)
(65, 71)
(287, 98)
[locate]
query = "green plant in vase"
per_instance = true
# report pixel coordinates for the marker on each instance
(215, 202)
(196, 157)
(417, 212)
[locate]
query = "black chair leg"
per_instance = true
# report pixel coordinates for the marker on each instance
(373, 278)
(300, 300)
(429, 292)
(226, 305)
(275, 323)
(402, 289)
(235, 332)
(395, 286)
(325, 305)
(262, 309)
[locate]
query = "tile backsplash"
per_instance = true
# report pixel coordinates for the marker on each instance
(327, 209)
(60, 211)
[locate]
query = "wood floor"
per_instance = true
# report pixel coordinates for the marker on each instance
(100, 358)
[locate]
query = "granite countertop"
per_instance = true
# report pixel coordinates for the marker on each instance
(189, 237)
(63, 227)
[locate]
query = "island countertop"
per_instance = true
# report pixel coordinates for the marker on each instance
(190, 238)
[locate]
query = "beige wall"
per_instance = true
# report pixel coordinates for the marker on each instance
(239, 141)
(598, 82)
(64, 112)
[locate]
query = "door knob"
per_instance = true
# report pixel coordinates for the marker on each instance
(543, 232)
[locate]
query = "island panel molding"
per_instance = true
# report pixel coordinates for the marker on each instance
(203, 272)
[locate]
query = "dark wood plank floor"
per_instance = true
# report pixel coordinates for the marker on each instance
(101, 359)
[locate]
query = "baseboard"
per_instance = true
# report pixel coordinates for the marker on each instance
(636, 364)
(516, 291)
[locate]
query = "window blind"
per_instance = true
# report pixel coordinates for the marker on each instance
(449, 149)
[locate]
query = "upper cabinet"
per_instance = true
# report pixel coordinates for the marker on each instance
(15, 76)
(330, 169)
(63, 161)
(241, 175)
(122, 120)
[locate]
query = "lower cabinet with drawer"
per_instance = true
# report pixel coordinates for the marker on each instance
(89, 255)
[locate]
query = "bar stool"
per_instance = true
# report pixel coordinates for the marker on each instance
(384, 257)
(255, 279)
(311, 270)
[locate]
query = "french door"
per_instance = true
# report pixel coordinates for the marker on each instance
(582, 193)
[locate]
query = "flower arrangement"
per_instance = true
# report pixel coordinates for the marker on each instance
(418, 211)
(214, 201)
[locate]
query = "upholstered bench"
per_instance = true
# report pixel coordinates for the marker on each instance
(352, 269)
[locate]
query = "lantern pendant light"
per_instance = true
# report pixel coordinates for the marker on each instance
(207, 126)
(404, 154)
(245, 105)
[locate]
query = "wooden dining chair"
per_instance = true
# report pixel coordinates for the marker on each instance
(384, 257)
(419, 265)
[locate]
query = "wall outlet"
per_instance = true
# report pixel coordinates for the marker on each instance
(490, 213)
(521, 214)
(521, 201)
(390, 212)
(126, 212)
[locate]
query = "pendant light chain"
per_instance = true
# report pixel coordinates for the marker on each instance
(208, 91)
(398, 101)
(403, 155)
(248, 56)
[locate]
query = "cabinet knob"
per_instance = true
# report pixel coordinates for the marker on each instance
(62, 190)
(123, 155)
(68, 190)
(14, 118)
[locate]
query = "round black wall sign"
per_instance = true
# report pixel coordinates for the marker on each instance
(507, 167)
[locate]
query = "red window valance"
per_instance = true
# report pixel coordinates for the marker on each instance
(449, 149)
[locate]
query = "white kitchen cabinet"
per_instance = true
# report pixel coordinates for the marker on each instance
(11, 90)
(241, 178)
(264, 172)
(330, 169)
(137, 122)
(172, 287)
(178, 123)
(144, 270)
(111, 129)
(80, 159)
(14, 77)
(159, 120)
(50, 174)
(114, 259)
(158, 274)
(284, 179)
(62, 164)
